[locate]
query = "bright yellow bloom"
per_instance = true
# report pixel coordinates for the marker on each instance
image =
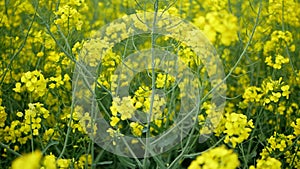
(34, 82)
(49, 162)
(252, 94)
(28, 161)
(136, 128)
(48, 134)
(123, 106)
(83, 160)
(237, 128)
(163, 80)
(63, 163)
(216, 158)
(114, 120)
(296, 127)
(18, 87)
(275, 96)
(285, 91)
(269, 163)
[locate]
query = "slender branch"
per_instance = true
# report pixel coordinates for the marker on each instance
(153, 80)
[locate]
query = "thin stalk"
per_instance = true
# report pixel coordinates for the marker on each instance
(9, 149)
(153, 80)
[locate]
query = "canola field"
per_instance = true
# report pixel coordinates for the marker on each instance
(152, 84)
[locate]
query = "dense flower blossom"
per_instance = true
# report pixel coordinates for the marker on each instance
(216, 158)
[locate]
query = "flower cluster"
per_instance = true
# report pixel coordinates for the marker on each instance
(122, 107)
(296, 127)
(269, 92)
(269, 163)
(274, 48)
(69, 15)
(33, 82)
(219, 26)
(237, 128)
(216, 158)
(279, 145)
(29, 125)
(49, 161)
(286, 11)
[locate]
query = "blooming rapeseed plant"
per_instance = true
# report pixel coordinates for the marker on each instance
(267, 164)
(33, 82)
(237, 128)
(43, 42)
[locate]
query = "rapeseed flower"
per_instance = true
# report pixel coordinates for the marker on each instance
(216, 158)
(28, 161)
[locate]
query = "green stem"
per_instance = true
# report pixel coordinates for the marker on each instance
(153, 81)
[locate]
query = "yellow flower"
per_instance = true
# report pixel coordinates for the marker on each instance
(114, 107)
(19, 114)
(48, 134)
(3, 116)
(125, 108)
(194, 165)
(114, 120)
(252, 94)
(40, 54)
(217, 158)
(28, 161)
(163, 80)
(34, 82)
(63, 163)
(269, 163)
(56, 81)
(285, 91)
(296, 127)
(281, 108)
(83, 160)
(35, 132)
(67, 78)
(52, 86)
(49, 162)
(275, 96)
(269, 61)
(237, 128)
(18, 87)
(279, 142)
(138, 105)
(136, 128)
(279, 60)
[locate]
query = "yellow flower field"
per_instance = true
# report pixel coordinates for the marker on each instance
(152, 84)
